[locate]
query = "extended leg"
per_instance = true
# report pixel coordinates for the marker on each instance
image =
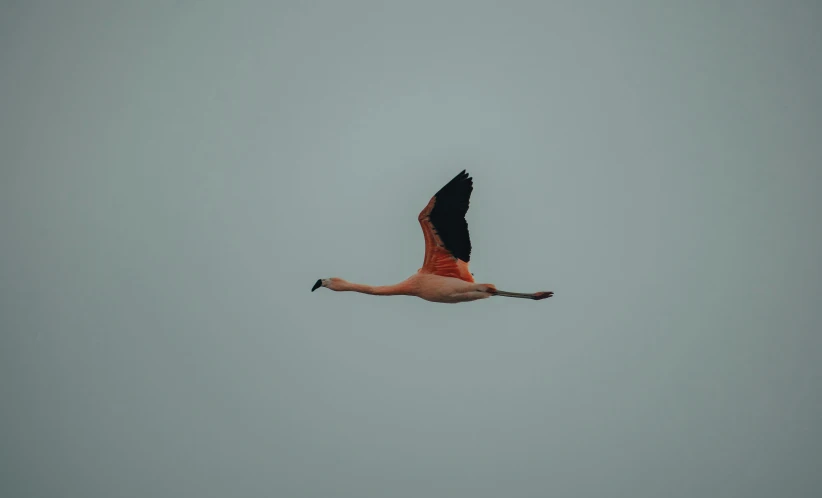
(536, 296)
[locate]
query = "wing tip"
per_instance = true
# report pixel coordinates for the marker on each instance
(462, 180)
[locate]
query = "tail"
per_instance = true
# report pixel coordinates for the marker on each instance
(536, 296)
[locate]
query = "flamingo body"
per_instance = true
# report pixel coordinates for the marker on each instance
(444, 276)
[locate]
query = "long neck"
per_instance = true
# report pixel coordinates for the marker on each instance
(399, 289)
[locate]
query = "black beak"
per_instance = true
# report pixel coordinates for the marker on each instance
(317, 285)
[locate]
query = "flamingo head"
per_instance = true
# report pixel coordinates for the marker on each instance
(332, 283)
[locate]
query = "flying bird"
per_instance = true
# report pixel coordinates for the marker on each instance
(444, 276)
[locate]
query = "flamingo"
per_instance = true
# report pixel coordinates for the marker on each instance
(444, 276)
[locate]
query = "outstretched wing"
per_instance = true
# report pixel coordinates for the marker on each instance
(447, 244)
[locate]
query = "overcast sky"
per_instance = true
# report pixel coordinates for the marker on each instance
(176, 175)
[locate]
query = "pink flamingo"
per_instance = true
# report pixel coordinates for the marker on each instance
(444, 276)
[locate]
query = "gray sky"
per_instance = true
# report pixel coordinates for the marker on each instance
(176, 176)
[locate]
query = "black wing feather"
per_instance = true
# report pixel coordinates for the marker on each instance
(448, 215)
